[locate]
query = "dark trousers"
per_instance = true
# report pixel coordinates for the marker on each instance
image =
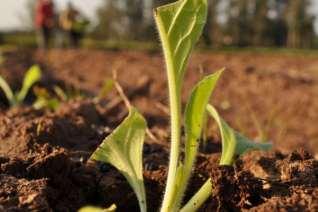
(74, 38)
(43, 37)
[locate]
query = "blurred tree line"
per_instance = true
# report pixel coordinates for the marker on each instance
(286, 23)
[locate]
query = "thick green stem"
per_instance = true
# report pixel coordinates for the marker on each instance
(175, 116)
(171, 184)
(142, 198)
(186, 174)
(199, 198)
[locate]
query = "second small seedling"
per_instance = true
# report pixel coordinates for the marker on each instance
(32, 76)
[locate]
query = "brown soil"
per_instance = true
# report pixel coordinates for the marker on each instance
(44, 154)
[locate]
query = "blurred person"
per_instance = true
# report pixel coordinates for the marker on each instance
(73, 24)
(44, 22)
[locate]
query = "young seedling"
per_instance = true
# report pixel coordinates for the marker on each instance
(68, 93)
(45, 100)
(32, 76)
(180, 25)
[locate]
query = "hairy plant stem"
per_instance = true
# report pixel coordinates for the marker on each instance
(199, 198)
(175, 121)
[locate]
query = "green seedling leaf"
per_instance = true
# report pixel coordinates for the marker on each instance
(44, 99)
(195, 113)
(123, 150)
(112, 208)
(180, 25)
(194, 116)
(7, 91)
(51, 103)
(32, 76)
(234, 144)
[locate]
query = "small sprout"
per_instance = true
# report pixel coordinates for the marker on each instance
(112, 208)
(44, 99)
(60, 93)
(38, 129)
(7, 91)
(68, 94)
(32, 76)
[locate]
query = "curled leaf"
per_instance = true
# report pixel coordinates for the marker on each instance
(233, 143)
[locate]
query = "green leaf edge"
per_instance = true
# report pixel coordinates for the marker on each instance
(32, 76)
(194, 114)
(7, 91)
(122, 163)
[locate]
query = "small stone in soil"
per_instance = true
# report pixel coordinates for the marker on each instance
(104, 167)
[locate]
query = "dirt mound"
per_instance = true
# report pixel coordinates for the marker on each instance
(281, 183)
(55, 174)
(44, 155)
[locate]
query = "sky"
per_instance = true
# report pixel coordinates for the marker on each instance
(13, 12)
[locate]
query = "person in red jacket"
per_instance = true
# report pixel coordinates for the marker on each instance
(44, 21)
